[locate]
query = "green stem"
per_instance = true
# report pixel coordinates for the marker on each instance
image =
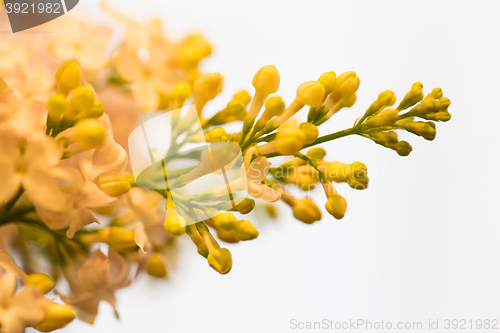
(332, 136)
(8, 206)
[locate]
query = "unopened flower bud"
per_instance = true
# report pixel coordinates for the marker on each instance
(193, 49)
(310, 93)
(344, 77)
(225, 221)
(385, 137)
(311, 132)
(336, 205)
(358, 183)
(243, 97)
(112, 183)
(97, 110)
(387, 98)
(443, 103)
(425, 129)
(387, 117)
(437, 93)
(57, 104)
(307, 211)
(245, 206)
(357, 170)
(82, 99)
(156, 266)
(41, 281)
(244, 230)
(217, 134)
(274, 107)
(89, 133)
(267, 80)
(221, 260)
(438, 116)
(56, 316)
(175, 224)
(122, 239)
(316, 153)
(349, 87)
(227, 236)
(208, 86)
(69, 76)
(411, 98)
(403, 148)
(290, 140)
(328, 81)
(182, 91)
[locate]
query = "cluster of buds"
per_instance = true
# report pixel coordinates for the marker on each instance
(379, 122)
(64, 130)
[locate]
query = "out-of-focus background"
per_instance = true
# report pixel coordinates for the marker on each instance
(421, 243)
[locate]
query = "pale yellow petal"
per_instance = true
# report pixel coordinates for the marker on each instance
(146, 95)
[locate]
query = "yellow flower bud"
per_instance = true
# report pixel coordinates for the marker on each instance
(41, 281)
(358, 183)
(307, 211)
(82, 99)
(97, 110)
(244, 230)
(208, 86)
(336, 205)
(274, 107)
(221, 260)
(386, 138)
(271, 210)
(57, 104)
(225, 221)
(443, 103)
(411, 98)
(437, 93)
(349, 87)
(425, 129)
(89, 133)
(316, 153)
(387, 117)
(387, 98)
(112, 183)
(245, 206)
(156, 266)
(311, 132)
(344, 77)
(438, 116)
(403, 148)
(56, 316)
(357, 170)
(348, 101)
(69, 76)
(243, 97)
(217, 134)
(182, 91)
(121, 239)
(227, 236)
(192, 50)
(310, 93)
(175, 224)
(267, 80)
(289, 141)
(328, 81)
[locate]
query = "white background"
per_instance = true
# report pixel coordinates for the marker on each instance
(421, 243)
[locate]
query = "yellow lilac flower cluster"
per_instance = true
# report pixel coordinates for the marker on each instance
(71, 207)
